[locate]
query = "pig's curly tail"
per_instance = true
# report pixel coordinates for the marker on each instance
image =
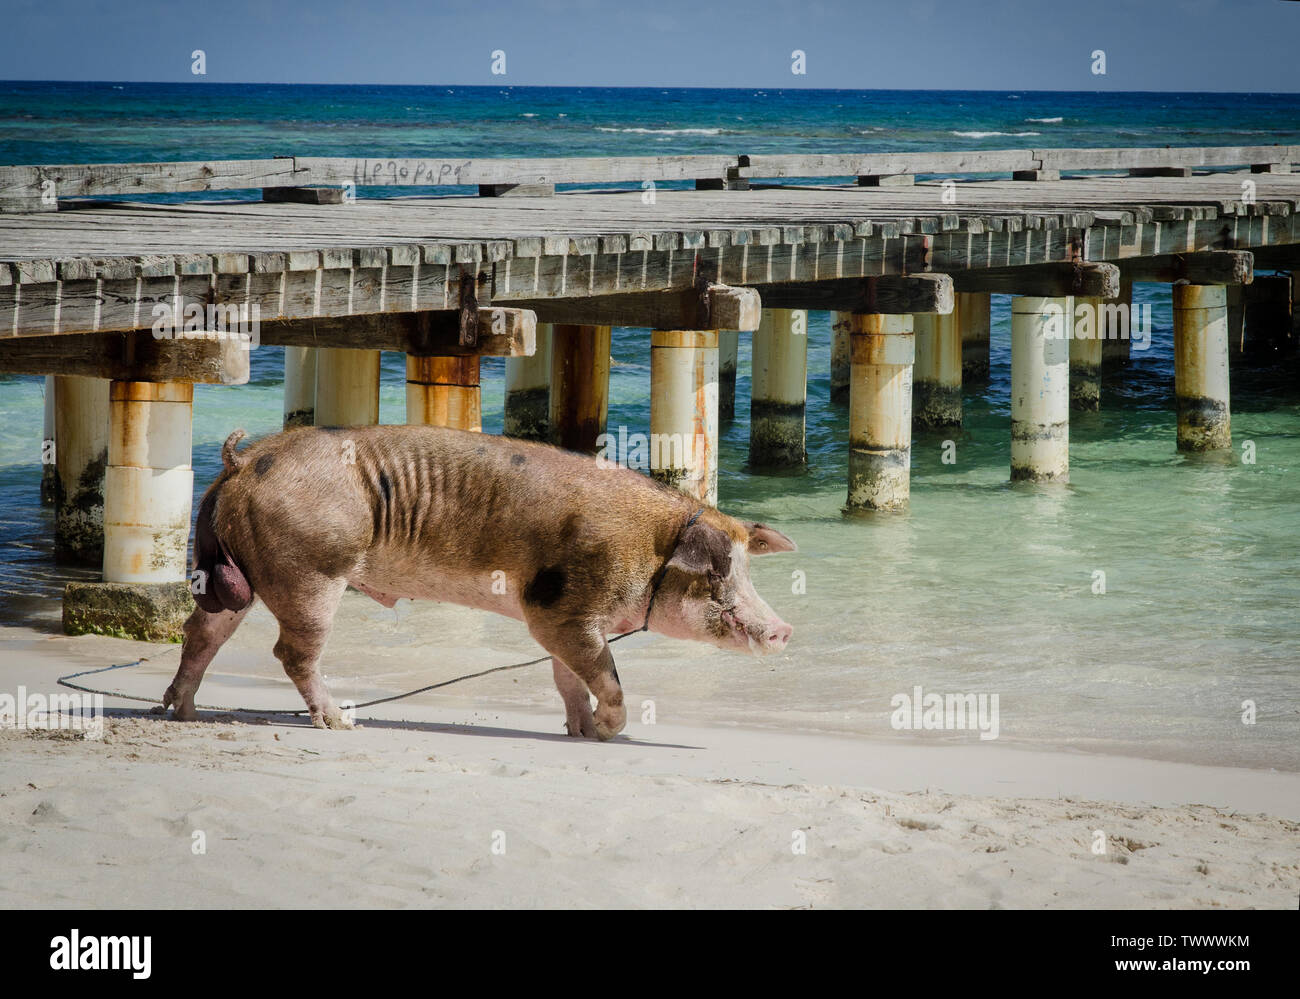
(231, 458)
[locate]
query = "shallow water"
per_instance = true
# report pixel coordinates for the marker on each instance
(979, 587)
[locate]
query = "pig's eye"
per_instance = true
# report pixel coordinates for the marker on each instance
(762, 545)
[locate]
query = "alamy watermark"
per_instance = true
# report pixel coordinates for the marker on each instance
(1107, 321)
(643, 452)
(37, 712)
(177, 320)
(950, 712)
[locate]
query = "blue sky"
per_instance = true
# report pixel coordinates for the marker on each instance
(1228, 45)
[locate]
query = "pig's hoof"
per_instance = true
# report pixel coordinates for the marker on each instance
(609, 722)
(332, 718)
(584, 729)
(182, 707)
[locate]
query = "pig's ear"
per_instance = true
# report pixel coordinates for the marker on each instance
(764, 540)
(702, 550)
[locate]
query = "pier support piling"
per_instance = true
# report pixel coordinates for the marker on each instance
(1117, 329)
(728, 355)
(49, 454)
(882, 351)
(579, 399)
(149, 485)
(347, 387)
(444, 392)
(1264, 318)
(974, 320)
(81, 450)
(299, 386)
(936, 377)
(841, 322)
(1295, 307)
(1040, 388)
(147, 497)
(1085, 354)
(780, 388)
(684, 411)
(1201, 367)
(528, 391)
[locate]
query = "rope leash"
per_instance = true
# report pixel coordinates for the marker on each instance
(64, 681)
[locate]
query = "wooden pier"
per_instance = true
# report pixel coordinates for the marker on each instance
(127, 304)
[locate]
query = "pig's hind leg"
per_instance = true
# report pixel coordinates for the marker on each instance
(578, 720)
(205, 633)
(306, 615)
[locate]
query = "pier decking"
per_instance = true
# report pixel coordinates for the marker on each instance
(448, 277)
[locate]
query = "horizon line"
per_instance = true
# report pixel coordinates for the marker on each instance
(655, 86)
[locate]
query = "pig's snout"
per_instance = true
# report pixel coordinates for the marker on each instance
(775, 636)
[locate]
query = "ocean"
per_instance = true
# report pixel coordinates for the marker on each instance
(981, 587)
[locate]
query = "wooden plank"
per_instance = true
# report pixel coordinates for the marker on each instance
(502, 332)
(85, 180)
(889, 294)
(1272, 258)
(1169, 156)
(436, 171)
(1047, 280)
(725, 308)
(875, 164)
(199, 357)
(1208, 267)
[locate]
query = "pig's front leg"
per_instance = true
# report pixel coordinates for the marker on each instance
(578, 720)
(205, 633)
(581, 646)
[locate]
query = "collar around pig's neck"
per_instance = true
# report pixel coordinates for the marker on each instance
(663, 569)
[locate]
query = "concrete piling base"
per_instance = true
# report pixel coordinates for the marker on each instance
(684, 411)
(1201, 367)
(1040, 388)
(882, 351)
(778, 396)
(148, 612)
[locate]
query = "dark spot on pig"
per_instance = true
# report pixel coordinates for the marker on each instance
(385, 487)
(333, 430)
(264, 464)
(614, 671)
(545, 588)
(518, 459)
(481, 451)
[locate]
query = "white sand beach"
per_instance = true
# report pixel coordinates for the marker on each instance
(429, 803)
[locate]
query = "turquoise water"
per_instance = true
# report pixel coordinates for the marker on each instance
(979, 587)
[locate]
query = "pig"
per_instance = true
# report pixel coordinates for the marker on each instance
(574, 549)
